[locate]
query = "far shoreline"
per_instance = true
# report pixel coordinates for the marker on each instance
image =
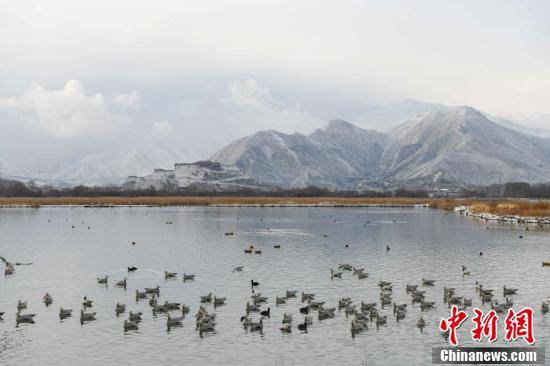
(502, 207)
(213, 201)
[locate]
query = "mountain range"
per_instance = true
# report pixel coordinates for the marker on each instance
(416, 143)
(457, 146)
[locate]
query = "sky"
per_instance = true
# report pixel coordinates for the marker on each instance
(99, 77)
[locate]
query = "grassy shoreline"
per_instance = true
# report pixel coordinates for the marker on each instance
(503, 207)
(207, 201)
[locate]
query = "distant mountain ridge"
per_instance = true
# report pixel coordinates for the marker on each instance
(339, 155)
(453, 145)
(329, 157)
(386, 116)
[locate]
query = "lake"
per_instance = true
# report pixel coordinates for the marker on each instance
(424, 243)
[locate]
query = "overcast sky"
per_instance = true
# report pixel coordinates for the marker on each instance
(81, 75)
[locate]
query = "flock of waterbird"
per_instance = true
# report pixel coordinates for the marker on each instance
(361, 314)
(205, 321)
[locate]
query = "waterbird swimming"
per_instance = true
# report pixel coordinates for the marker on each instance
(134, 317)
(306, 297)
(24, 318)
(287, 318)
(421, 323)
(427, 282)
(87, 303)
(153, 290)
(207, 298)
(509, 291)
(122, 283)
(252, 308)
(219, 301)
(47, 299)
(140, 295)
(257, 327)
(168, 275)
(188, 277)
(174, 322)
(130, 325)
(85, 317)
(335, 274)
(65, 313)
(120, 308)
(246, 320)
(286, 328)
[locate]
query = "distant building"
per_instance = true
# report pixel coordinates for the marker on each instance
(495, 191)
(451, 192)
(204, 174)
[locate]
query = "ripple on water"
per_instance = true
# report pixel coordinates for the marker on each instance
(423, 243)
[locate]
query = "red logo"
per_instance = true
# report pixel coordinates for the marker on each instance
(452, 323)
(516, 325)
(520, 325)
(485, 325)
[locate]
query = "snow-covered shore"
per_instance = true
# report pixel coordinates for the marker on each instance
(515, 219)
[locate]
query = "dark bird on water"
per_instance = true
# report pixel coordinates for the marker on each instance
(254, 283)
(387, 248)
(303, 326)
(266, 313)
(132, 269)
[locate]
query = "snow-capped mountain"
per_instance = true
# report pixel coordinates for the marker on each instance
(104, 168)
(421, 142)
(331, 157)
(386, 116)
(457, 145)
(462, 146)
(382, 117)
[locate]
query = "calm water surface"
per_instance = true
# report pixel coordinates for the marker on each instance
(424, 243)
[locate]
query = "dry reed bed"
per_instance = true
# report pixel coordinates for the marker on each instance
(498, 207)
(208, 201)
(513, 208)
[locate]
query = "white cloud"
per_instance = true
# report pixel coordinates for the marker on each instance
(8, 103)
(67, 112)
(162, 128)
(250, 94)
(130, 100)
(254, 107)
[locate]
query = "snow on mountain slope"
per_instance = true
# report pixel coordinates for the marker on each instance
(457, 145)
(113, 167)
(462, 146)
(335, 156)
